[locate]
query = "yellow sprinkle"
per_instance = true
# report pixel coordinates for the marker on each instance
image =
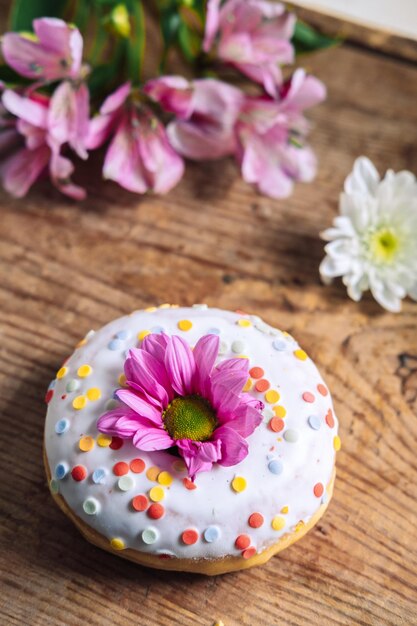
(165, 478)
(239, 484)
(300, 354)
(143, 334)
(79, 402)
(122, 380)
(62, 372)
(150, 309)
(337, 444)
(278, 523)
(299, 526)
(185, 325)
(117, 544)
(279, 410)
(86, 444)
(152, 472)
(94, 394)
(244, 323)
(104, 440)
(179, 466)
(156, 494)
(284, 510)
(242, 356)
(248, 385)
(272, 396)
(165, 306)
(84, 371)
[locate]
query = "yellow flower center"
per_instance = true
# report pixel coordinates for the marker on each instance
(384, 245)
(191, 417)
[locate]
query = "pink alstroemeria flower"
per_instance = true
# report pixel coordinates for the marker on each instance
(54, 52)
(140, 157)
(206, 111)
(176, 396)
(24, 167)
(254, 36)
(271, 135)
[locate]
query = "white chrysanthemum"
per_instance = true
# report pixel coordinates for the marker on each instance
(373, 242)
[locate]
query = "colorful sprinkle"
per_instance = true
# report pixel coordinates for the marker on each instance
(262, 385)
(213, 331)
(238, 347)
(248, 385)
(150, 535)
(72, 385)
(123, 334)
(165, 478)
(337, 444)
(256, 372)
(276, 424)
(152, 473)
(242, 542)
(122, 380)
(155, 511)
(62, 426)
(156, 494)
(117, 543)
(300, 354)
(84, 371)
(179, 466)
(322, 390)
(91, 506)
(63, 371)
(99, 476)
(142, 334)
(137, 466)
(61, 470)
(211, 534)
(54, 486)
(86, 443)
(244, 323)
(308, 397)
(318, 490)
(103, 440)
(278, 522)
(284, 510)
(185, 325)
(239, 484)
(275, 467)
(279, 345)
(223, 347)
(94, 394)
(188, 484)
(126, 483)
(189, 536)
(140, 502)
(120, 469)
(279, 410)
(116, 443)
(115, 344)
(49, 395)
(256, 520)
(291, 435)
(79, 402)
(330, 418)
(79, 473)
(272, 396)
(299, 526)
(314, 422)
(249, 552)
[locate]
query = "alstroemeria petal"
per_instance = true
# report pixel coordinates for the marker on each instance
(21, 170)
(26, 109)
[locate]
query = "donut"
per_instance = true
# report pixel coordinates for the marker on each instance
(190, 439)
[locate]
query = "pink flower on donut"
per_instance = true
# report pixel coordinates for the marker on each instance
(177, 396)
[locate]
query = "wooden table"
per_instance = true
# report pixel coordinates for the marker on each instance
(66, 268)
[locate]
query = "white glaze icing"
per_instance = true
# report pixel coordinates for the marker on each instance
(305, 462)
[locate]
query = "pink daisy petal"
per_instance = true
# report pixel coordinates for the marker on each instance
(107, 422)
(139, 405)
(233, 447)
(199, 456)
(233, 364)
(245, 420)
(205, 354)
(152, 438)
(180, 365)
(156, 345)
(149, 376)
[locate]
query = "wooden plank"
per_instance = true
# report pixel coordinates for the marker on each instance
(66, 268)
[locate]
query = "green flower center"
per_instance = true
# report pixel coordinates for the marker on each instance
(191, 417)
(384, 245)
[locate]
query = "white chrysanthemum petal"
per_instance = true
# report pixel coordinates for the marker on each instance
(364, 179)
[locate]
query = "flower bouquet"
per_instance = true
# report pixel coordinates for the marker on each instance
(74, 81)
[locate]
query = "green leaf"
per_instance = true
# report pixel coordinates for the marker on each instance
(136, 42)
(306, 39)
(10, 77)
(23, 12)
(189, 41)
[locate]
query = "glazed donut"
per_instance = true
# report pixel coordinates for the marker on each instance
(190, 439)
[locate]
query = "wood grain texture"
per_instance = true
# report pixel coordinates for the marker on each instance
(66, 268)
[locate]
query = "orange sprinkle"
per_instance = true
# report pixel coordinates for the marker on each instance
(242, 542)
(308, 397)
(189, 536)
(137, 466)
(330, 418)
(247, 554)
(188, 484)
(262, 385)
(322, 390)
(276, 424)
(140, 503)
(256, 520)
(318, 490)
(120, 469)
(155, 511)
(152, 472)
(79, 473)
(256, 372)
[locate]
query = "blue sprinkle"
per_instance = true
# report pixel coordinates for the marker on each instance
(61, 470)
(314, 422)
(213, 331)
(157, 330)
(324, 498)
(99, 476)
(275, 467)
(115, 344)
(52, 384)
(62, 426)
(122, 334)
(279, 345)
(212, 533)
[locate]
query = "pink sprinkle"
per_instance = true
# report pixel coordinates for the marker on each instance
(308, 397)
